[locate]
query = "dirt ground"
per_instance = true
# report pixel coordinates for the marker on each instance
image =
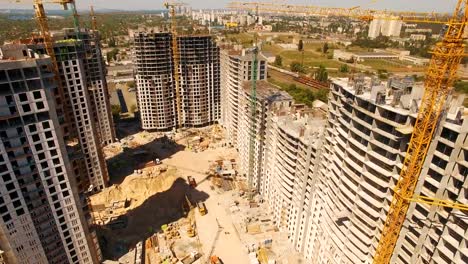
(129, 97)
(154, 199)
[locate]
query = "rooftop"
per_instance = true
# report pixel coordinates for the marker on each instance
(305, 127)
(408, 101)
(18, 53)
(243, 54)
(267, 91)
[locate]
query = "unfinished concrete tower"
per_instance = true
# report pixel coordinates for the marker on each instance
(236, 68)
(86, 103)
(369, 125)
(41, 220)
(269, 97)
(199, 71)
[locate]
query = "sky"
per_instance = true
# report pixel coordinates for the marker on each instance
(409, 5)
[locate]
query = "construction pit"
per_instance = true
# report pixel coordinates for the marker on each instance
(149, 172)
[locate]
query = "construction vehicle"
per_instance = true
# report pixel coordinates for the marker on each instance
(191, 226)
(215, 260)
(439, 79)
(190, 230)
(201, 208)
(191, 181)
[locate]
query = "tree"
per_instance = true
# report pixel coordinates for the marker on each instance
(322, 95)
(112, 55)
(131, 84)
(325, 47)
(297, 67)
(300, 45)
(111, 42)
(133, 108)
(382, 73)
(344, 68)
(321, 74)
(116, 110)
(278, 60)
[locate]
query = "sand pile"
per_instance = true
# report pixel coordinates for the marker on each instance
(135, 188)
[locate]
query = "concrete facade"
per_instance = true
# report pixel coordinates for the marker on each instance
(40, 206)
(86, 103)
(199, 87)
(329, 181)
(368, 128)
(293, 143)
(269, 99)
(236, 68)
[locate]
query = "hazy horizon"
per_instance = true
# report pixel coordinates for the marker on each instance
(413, 5)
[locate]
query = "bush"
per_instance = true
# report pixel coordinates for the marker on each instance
(116, 110)
(461, 87)
(131, 84)
(321, 74)
(278, 60)
(297, 67)
(344, 68)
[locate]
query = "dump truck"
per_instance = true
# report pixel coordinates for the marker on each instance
(191, 181)
(201, 208)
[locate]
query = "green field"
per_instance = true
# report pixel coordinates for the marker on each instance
(311, 57)
(392, 66)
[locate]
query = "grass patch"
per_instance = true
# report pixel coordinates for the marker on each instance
(391, 65)
(300, 94)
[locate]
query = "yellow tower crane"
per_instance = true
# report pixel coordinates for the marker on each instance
(93, 18)
(171, 6)
(440, 76)
(43, 25)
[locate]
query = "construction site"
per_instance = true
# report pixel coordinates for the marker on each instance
(182, 201)
(220, 165)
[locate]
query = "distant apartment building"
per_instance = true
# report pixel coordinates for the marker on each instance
(86, 102)
(236, 68)
(385, 26)
(199, 81)
(42, 220)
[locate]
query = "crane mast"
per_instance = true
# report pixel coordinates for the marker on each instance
(175, 59)
(253, 110)
(93, 18)
(41, 18)
(440, 75)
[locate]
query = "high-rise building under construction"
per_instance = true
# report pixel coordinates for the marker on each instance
(85, 103)
(41, 205)
(199, 80)
(236, 68)
(329, 181)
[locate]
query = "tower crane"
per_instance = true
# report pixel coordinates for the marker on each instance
(440, 76)
(93, 18)
(43, 25)
(253, 110)
(171, 6)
